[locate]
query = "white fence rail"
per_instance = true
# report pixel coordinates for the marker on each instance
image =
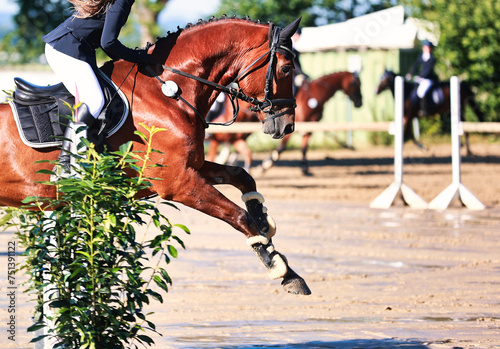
(303, 127)
(481, 127)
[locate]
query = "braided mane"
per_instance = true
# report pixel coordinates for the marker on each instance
(201, 22)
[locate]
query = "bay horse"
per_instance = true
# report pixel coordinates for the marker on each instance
(412, 110)
(202, 60)
(311, 98)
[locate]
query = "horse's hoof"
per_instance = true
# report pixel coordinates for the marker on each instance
(293, 283)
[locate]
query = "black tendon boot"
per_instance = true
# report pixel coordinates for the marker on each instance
(84, 116)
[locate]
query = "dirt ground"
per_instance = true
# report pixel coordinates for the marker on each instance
(361, 175)
(380, 278)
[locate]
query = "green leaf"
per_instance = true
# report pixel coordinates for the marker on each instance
(39, 338)
(172, 251)
(160, 283)
(183, 227)
(85, 254)
(140, 134)
(165, 276)
(43, 171)
(145, 339)
(58, 304)
(35, 327)
(155, 295)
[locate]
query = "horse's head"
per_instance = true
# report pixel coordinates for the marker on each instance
(352, 87)
(246, 60)
(386, 81)
(268, 77)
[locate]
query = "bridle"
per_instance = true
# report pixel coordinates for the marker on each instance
(234, 92)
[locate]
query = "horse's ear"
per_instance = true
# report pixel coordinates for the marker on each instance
(290, 29)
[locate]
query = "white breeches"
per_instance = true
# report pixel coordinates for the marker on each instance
(423, 87)
(78, 77)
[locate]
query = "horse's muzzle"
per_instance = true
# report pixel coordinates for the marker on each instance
(279, 125)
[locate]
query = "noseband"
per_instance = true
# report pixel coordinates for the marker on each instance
(235, 93)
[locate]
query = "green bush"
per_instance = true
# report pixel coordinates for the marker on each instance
(84, 243)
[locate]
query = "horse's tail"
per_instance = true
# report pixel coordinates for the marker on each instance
(468, 97)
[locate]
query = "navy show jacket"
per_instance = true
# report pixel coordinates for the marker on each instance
(426, 68)
(81, 37)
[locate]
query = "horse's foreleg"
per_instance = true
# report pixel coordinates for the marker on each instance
(275, 154)
(466, 136)
(408, 131)
(212, 150)
(277, 266)
(261, 243)
(467, 145)
(241, 147)
(305, 145)
(239, 178)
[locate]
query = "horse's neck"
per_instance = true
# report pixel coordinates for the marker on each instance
(218, 62)
(331, 84)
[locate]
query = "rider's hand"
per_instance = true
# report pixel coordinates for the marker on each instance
(142, 57)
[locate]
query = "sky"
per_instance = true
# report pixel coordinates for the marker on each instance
(8, 6)
(182, 11)
(177, 13)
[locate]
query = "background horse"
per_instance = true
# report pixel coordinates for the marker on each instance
(201, 59)
(311, 99)
(412, 110)
(238, 140)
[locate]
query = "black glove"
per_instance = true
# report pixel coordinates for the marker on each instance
(142, 57)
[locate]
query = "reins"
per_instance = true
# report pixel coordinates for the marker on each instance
(236, 93)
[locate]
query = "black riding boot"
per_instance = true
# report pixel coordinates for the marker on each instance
(65, 157)
(424, 106)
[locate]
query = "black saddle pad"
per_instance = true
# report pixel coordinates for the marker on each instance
(43, 112)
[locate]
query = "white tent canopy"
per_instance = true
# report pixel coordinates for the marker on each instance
(384, 29)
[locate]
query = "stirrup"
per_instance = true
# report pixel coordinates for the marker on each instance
(62, 169)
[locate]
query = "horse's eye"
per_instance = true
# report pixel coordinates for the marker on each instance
(286, 69)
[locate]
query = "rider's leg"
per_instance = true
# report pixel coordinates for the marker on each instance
(422, 90)
(80, 80)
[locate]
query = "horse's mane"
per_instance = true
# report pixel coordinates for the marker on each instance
(202, 22)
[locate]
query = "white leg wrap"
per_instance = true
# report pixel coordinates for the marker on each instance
(267, 164)
(272, 227)
(275, 155)
(279, 268)
(252, 195)
(257, 239)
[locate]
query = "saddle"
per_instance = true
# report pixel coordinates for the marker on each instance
(434, 96)
(42, 113)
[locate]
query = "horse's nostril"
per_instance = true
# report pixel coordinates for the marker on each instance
(289, 128)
